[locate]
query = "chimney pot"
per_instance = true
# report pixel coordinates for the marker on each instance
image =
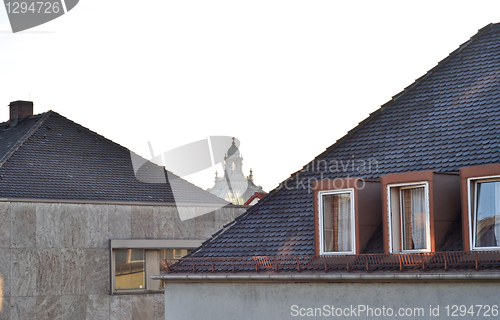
(20, 109)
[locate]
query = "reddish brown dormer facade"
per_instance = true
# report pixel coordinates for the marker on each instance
(480, 187)
(365, 200)
(439, 195)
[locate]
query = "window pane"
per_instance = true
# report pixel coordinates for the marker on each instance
(129, 269)
(414, 218)
(337, 224)
(488, 214)
(171, 254)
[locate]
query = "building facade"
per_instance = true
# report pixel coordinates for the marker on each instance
(79, 233)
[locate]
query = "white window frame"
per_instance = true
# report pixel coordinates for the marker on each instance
(402, 186)
(472, 210)
(151, 255)
(350, 191)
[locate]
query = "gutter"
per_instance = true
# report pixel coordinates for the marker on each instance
(336, 278)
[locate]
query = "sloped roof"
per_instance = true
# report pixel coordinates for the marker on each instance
(447, 119)
(47, 156)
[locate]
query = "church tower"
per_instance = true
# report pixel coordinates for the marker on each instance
(234, 186)
(233, 162)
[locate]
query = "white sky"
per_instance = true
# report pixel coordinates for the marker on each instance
(288, 78)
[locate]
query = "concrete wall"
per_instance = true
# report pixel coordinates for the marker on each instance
(54, 258)
(243, 300)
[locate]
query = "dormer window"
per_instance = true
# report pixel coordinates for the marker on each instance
(419, 209)
(346, 213)
(337, 221)
(409, 217)
(481, 207)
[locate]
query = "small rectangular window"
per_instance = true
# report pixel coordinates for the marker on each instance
(133, 261)
(487, 214)
(130, 269)
(337, 222)
(409, 217)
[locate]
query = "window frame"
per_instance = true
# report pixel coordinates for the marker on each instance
(403, 186)
(152, 249)
(321, 217)
(472, 214)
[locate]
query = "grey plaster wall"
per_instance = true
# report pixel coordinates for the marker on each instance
(238, 300)
(55, 258)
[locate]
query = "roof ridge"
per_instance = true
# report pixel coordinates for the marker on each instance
(91, 131)
(387, 104)
(443, 61)
(102, 137)
(26, 136)
(405, 90)
(166, 172)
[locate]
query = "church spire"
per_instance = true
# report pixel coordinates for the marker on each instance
(233, 161)
(234, 186)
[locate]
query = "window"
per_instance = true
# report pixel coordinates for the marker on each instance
(134, 261)
(409, 217)
(420, 207)
(347, 212)
(337, 221)
(485, 213)
(130, 269)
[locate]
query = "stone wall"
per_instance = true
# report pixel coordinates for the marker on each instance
(55, 257)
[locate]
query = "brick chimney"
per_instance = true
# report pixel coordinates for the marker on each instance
(19, 109)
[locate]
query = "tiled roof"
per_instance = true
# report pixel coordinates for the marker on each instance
(11, 137)
(447, 119)
(50, 157)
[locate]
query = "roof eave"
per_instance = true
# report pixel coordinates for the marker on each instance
(337, 277)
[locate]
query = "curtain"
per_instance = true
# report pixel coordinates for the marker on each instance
(328, 216)
(418, 218)
(345, 223)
